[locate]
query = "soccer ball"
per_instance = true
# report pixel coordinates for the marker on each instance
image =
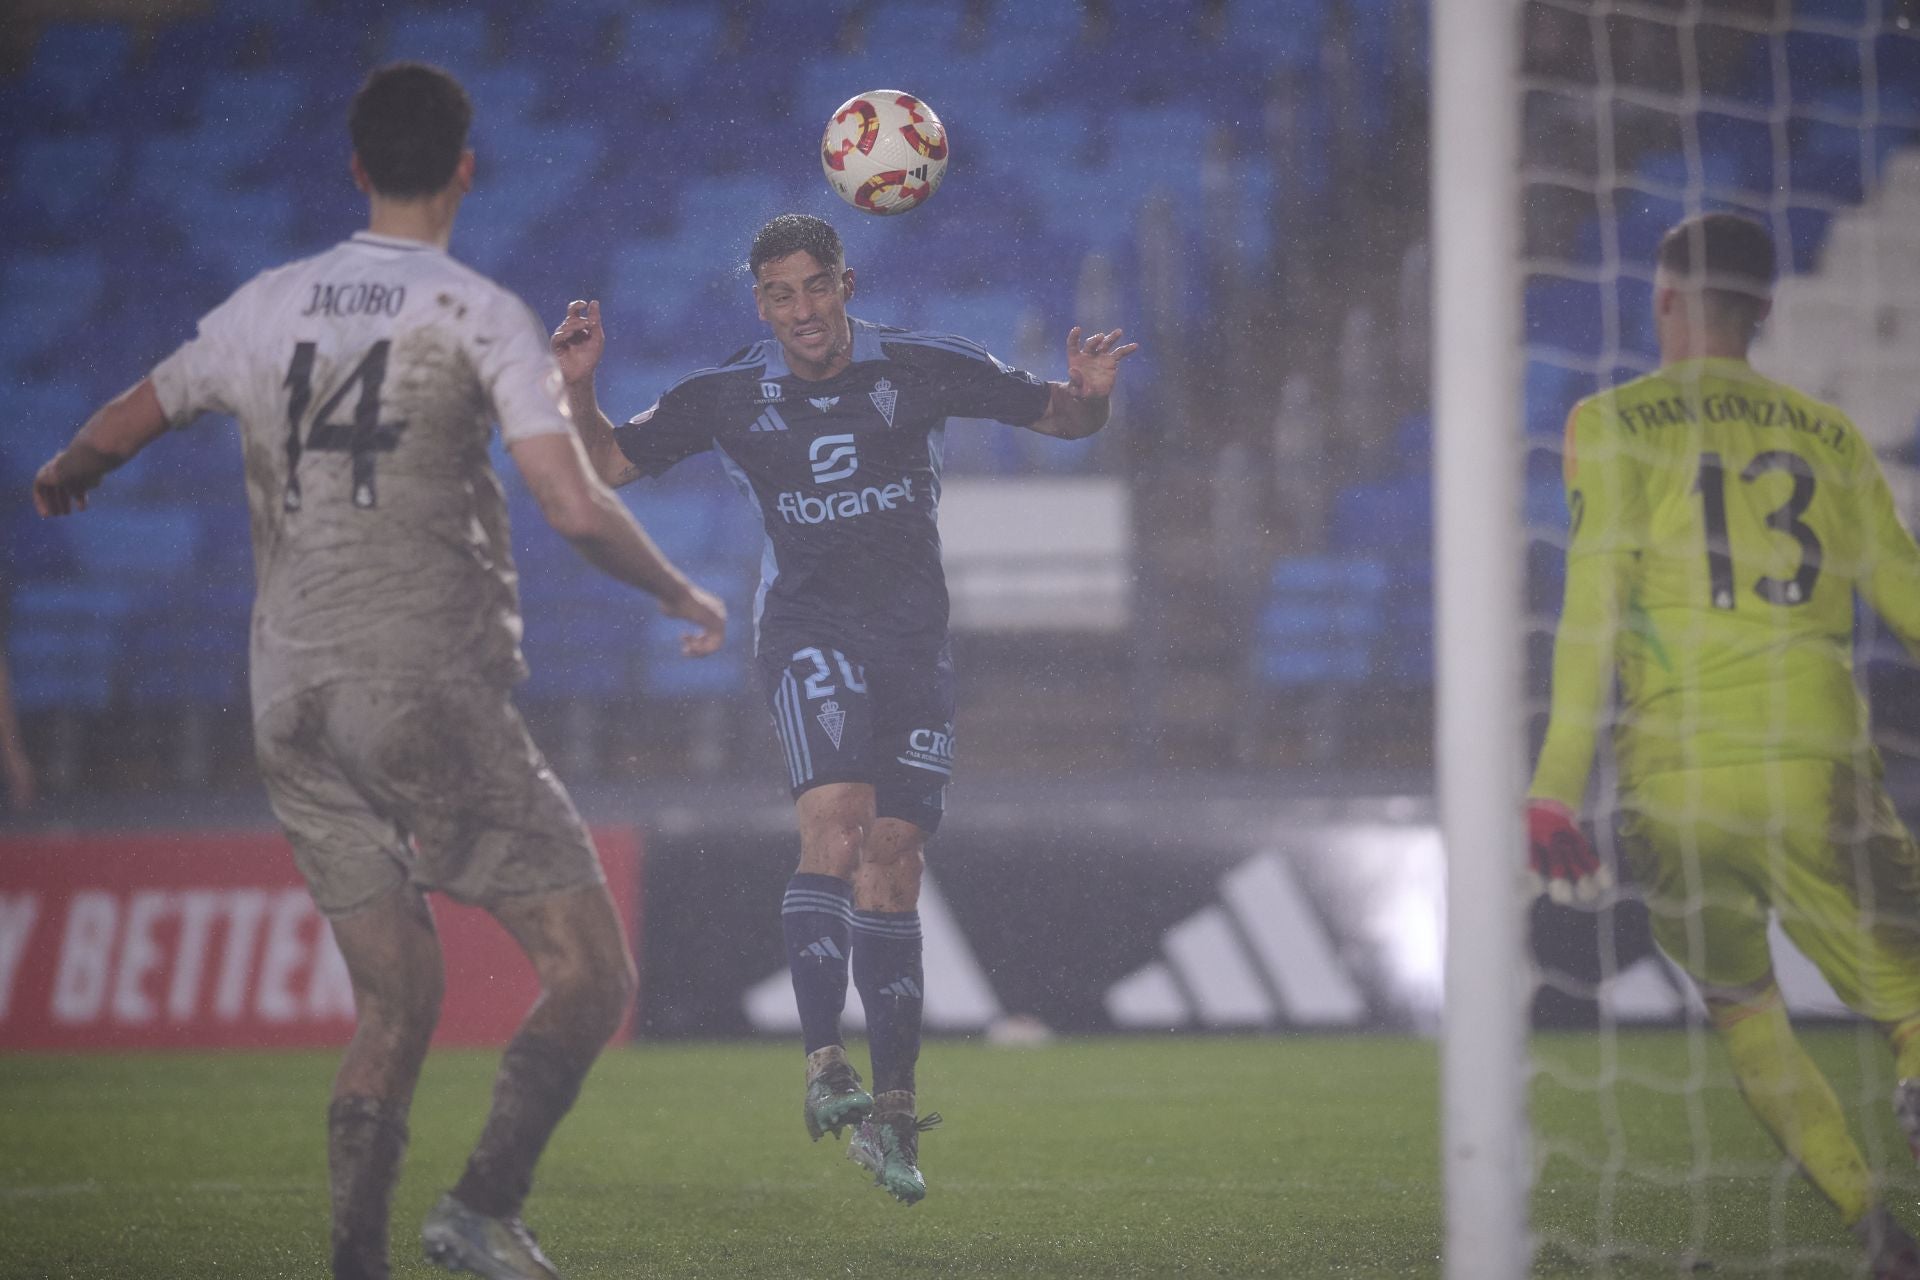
(884, 152)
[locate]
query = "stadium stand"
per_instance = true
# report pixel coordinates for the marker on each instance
(1223, 171)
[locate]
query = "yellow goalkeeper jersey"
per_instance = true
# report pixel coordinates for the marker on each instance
(1721, 526)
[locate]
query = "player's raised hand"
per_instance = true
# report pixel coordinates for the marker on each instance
(704, 610)
(579, 341)
(1562, 863)
(1093, 366)
(58, 490)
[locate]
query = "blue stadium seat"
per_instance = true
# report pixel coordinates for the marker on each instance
(251, 111)
(1564, 315)
(1743, 147)
(75, 62)
(582, 644)
(143, 549)
(1287, 33)
(58, 178)
(651, 286)
(1323, 618)
(1383, 518)
(807, 28)
(169, 168)
(663, 50)
(64, 644)
(1641, 218)
(192, 650)
(1545, 503)
(1171, 137)
(497, 216)
(989, 317)
(1896, 64)
(728, 208)
(507, 93)
(1821, 66)
(244, 231)
(667, 675)
(193, 49)
(39, 418)
(1634, 294)
(682, 521)
(44, 298)
(1828, 161)
(1856, 13)
(457, 39)
(559, 159)
(627, 388)
(1806, 232)
(1719, 174)
(912, 31)
(1551, 392)
(827, 82)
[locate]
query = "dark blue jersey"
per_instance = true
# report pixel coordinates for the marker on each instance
(845, 472)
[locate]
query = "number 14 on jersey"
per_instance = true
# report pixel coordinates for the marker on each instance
(363, 436)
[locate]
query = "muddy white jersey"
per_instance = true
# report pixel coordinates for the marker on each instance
(366, 380)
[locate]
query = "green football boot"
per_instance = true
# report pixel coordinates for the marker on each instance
(834, 1097)
(458, 1239)
(888, 1146)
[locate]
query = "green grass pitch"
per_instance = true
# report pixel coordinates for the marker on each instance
(1138, 1157)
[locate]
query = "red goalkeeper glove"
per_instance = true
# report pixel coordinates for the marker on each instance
(1562, 862)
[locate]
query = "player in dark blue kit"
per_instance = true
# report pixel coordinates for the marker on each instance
(833, 428)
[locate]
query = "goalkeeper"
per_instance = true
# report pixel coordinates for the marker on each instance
(1721, 526)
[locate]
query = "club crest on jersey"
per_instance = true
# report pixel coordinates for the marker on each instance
(833, 720)
(823, 403)
(770, 392)
(884, 397)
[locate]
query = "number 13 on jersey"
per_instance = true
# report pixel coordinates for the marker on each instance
(1786, 519)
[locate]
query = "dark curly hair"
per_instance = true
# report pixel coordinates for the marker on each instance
(409, 125)
(796, 233)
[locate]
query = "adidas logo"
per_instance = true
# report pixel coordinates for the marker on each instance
(1259, 958)
(904, 989)
(769, 420)
(959, 996)
(822, 950)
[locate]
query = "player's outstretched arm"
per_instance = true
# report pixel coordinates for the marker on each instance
(1078, 406)
(118, 429)
(585, 513)
(578, 344)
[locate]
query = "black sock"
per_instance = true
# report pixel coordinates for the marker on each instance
(366, 1140)
(886, 969)
(539, 1078)
(815, 916)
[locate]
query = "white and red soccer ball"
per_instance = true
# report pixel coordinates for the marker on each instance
(884, 152)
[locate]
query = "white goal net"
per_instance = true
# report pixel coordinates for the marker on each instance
(1638, 1155)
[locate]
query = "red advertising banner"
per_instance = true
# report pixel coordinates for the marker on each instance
(203, 940)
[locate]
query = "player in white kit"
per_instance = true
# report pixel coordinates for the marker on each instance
(385, 641)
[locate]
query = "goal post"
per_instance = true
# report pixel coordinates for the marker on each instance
(1480, 749)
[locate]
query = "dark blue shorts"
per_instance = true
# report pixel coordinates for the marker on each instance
(886, 722)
